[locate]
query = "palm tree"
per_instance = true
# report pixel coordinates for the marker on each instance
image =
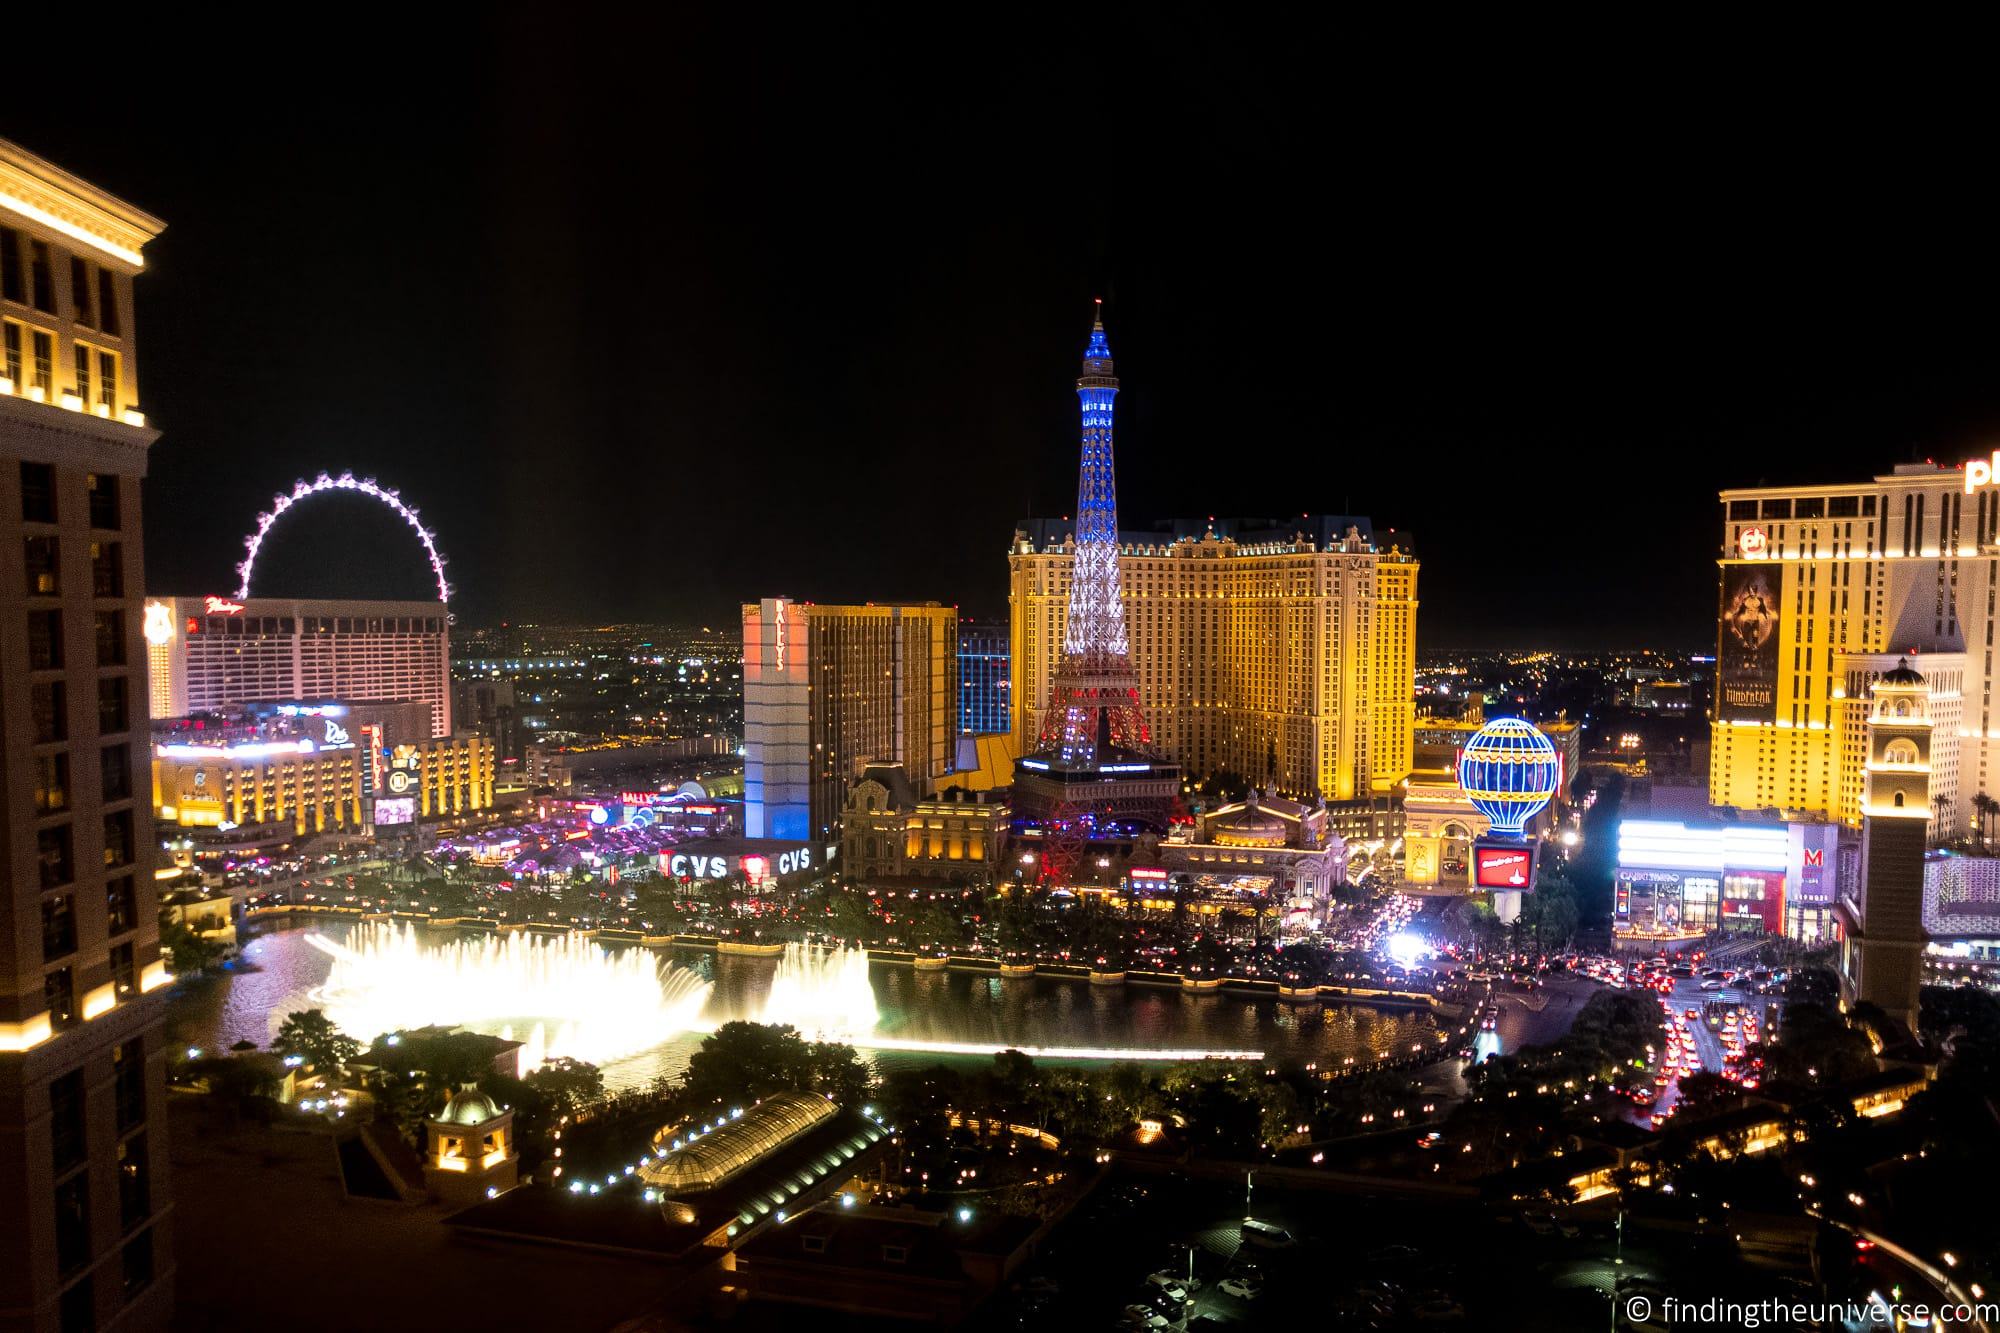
(1985, 807)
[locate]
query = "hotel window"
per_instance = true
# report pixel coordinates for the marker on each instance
(111, 638)
(13, 268)
(104, 509)
(10, 352)
(42, 365)
(121, 905)
(118, 839)
(128, 1060)
(42, 562)
(73, 1226)
(47, 706)
(66, 1121)
(58, 927)
(107, 303)
(107, 569)
(82, 292)
(52, 856)
(41, 277)
(51, 783)
(45, 640)
(97, 379)
(136, 1261)
(117, 772)
(59, 994)
(135, 1184)
(113, 713)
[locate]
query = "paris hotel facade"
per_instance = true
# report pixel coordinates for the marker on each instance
(1822, 590)
(1281, 650)
(83, 1141)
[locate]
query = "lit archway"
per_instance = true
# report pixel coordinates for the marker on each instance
(346, 481)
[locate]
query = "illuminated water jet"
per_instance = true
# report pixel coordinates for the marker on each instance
(573, 997)
(826, 995)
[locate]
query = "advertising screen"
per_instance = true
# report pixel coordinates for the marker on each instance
(1503, 866)
(1746, 672)
(395, 810)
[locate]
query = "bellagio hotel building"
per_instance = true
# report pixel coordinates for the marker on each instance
(83, 1140)
(1280, 650)
(1823, 588)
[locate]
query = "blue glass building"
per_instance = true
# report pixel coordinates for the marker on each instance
(984, 676)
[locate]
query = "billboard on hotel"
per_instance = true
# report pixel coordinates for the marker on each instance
(395, 810)
(1746, 672)
(1507, 866)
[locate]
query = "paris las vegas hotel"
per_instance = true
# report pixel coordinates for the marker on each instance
(1281, 650)
(1823, 588)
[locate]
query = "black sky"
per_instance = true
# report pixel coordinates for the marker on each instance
(651, 315)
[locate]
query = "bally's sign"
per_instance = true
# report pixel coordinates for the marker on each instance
(1981, 472)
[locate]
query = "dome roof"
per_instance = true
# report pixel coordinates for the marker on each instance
(700, 1161)
(1902, 674)
(1248, 825)
(470, 1107)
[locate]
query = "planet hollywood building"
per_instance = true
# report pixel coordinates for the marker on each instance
(1682, 880)
(1822, 589)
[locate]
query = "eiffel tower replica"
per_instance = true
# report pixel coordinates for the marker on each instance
(1094, 777)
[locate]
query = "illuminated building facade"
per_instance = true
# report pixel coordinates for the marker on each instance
(1285, 848)
(83, 1144)
(210, 653)
(1093, 772)
(290, 770)
(889, 833)
(1681, 880)
(1882, 923)
(1280, 650)
(1825, 588)
(828, 689)
(984, 680)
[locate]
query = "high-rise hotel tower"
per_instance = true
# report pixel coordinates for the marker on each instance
(83, 1142)
(1823, 590)
(1280, 649)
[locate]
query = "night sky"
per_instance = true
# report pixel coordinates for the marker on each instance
(650, 318)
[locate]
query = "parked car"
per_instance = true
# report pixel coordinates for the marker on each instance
(1266, 1236)
(1240, 1289)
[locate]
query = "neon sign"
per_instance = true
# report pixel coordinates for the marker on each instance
(1981, 472)
(159, 623)
(1753, 542)
(222, 606)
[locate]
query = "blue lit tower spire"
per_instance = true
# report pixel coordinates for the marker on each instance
(1094, 703)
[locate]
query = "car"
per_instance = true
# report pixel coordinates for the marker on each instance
(1161, 1284)
(1711, 985)
(1539, 1223)
(1392, 1254)
(1240, 1289)
(1567, 1229)
(1266, 1236)
(1437, 1310)
(1139, 1316)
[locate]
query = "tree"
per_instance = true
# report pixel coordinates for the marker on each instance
(310, 1034)
(1704, 1090)
(566, 1086)
(188, 953)
(741, 1062)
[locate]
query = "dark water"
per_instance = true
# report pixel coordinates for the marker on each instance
(931, 1006)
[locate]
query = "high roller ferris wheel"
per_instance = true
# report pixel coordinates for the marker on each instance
(320, 485)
